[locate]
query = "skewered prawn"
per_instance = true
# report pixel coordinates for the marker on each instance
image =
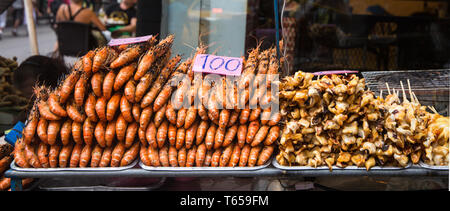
(152, 54)
(131, 53)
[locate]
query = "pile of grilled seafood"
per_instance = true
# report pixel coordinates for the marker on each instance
(335, 121)
(10, 96)
(437, 138)
(123, 102)
(222, 130)
(6, 157)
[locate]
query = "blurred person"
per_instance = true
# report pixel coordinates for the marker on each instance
(89, 4)
(53, 6)
(98, 4)
(18, 15)
(36, 8)
(76, 12)
(34, 70)
(122, 18)
(2, 22)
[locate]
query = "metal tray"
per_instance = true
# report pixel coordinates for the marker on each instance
(424, 165)
(106, 188)
(151, 168)
(17, 168)
(278, 166)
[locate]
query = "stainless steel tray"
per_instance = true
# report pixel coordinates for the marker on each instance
(424, 165)
(278, 166)
(17, 168)
(151, 168)
(106, 188)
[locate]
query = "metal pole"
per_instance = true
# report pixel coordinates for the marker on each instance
(277, 28)
(31, 27)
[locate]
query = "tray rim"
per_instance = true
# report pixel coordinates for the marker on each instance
(427, 166)
(236, 168)
(105, 187)
(306, 168)
(77, 169)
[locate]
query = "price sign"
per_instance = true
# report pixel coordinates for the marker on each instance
(207, 63)
(130, 40)
(330, 72)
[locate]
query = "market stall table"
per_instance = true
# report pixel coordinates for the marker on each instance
(413, 171)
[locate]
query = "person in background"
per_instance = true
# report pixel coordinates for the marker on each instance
(89, 4)
(2, 22)
(122, 18)
(97, 5)
(76, 12)
(18, 8)
(34, 70)
(36, 10)
(53, 6)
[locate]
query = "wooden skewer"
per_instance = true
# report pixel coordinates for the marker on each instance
(410, 90)
(387, 85)
(403, 91)
(416, 98)
(433, 109)
(381, 94)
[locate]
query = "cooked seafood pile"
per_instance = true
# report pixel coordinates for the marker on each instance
(124, 102)
(222, 130)
(10, 96)
(6, 157)
(436, 144)
(335, 121)
(87, 121)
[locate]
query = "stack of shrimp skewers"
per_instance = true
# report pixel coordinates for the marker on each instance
(119, 103)
(217, 132)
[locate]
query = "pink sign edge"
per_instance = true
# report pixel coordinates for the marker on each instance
(120, 39)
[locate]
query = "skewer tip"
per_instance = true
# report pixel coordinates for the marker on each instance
(410, 90)
(387, 86)
(416, 99)
(403, 92)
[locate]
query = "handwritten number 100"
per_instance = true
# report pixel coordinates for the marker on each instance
(213, 65)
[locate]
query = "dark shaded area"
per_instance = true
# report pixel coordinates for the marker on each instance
(328, 35)
(148, 17)
(4, 4)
